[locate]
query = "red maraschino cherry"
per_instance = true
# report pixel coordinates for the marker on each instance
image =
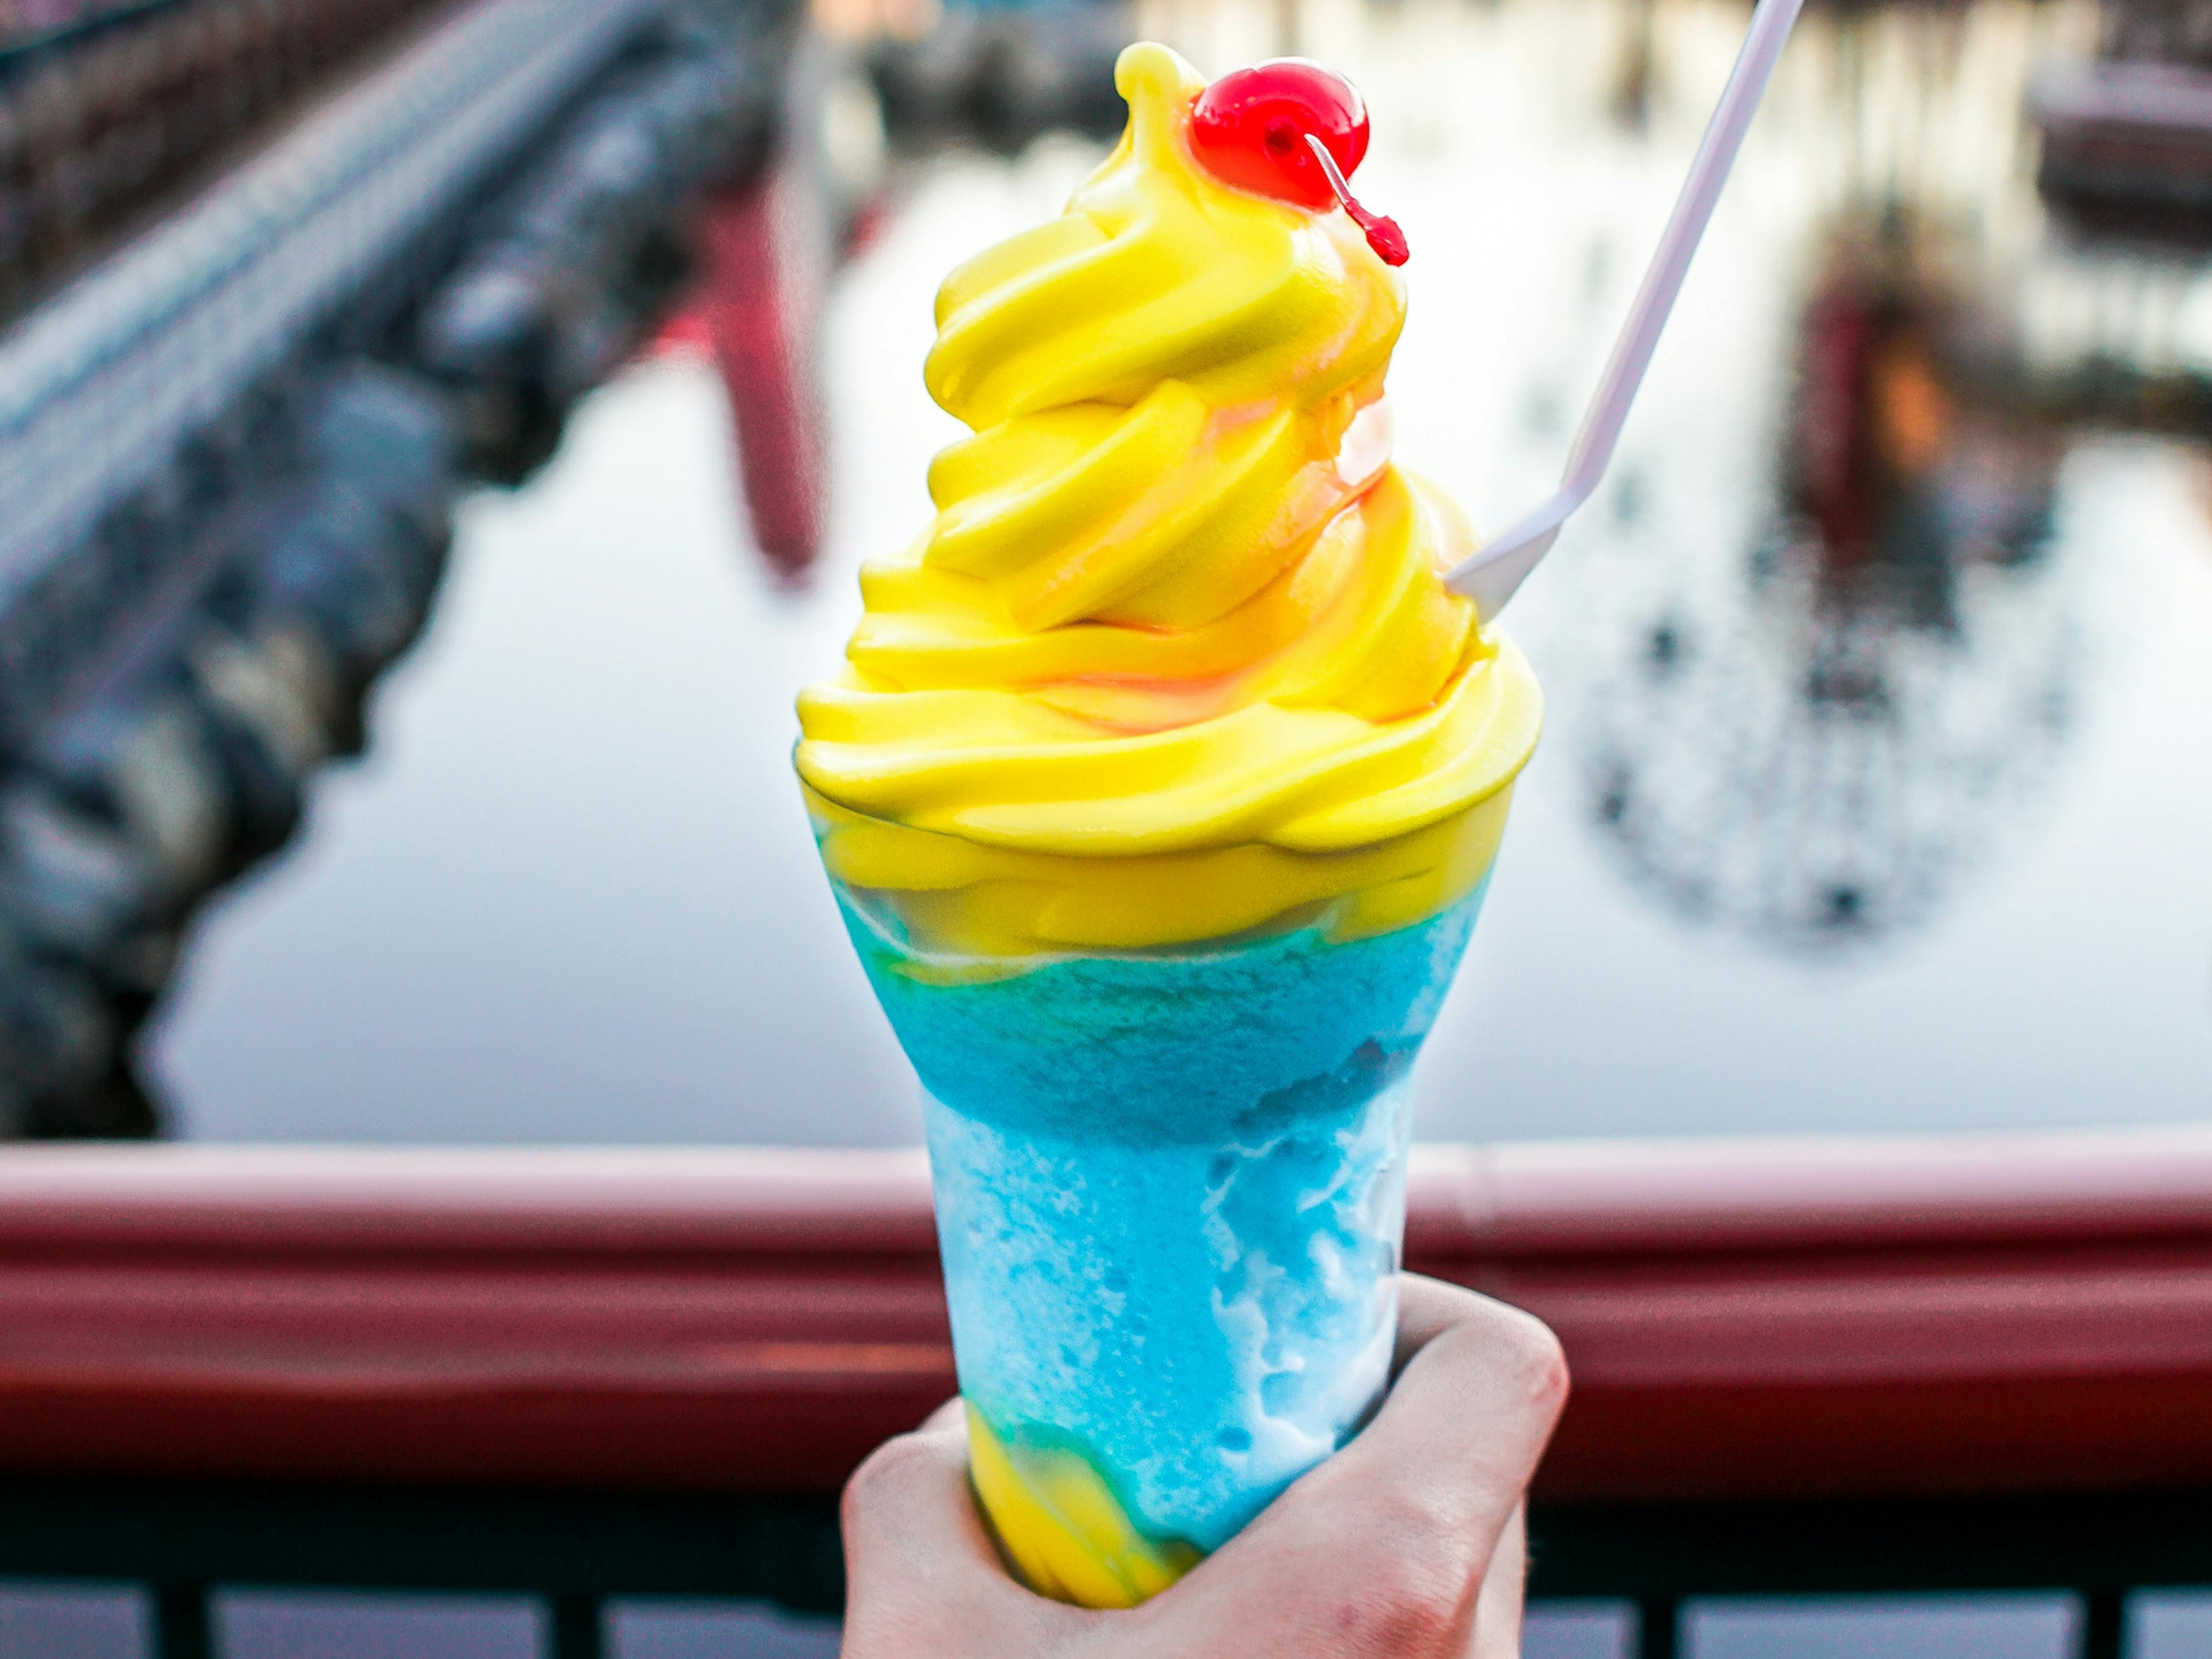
(1291, 129)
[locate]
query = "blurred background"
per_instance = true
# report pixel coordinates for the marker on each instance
(1873, 793)
(437, 442)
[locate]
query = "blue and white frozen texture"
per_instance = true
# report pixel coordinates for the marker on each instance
(1171, 1192)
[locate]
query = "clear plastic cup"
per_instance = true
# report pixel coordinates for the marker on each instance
(1170, 1200)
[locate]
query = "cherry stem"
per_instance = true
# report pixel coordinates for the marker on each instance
(1383, 233)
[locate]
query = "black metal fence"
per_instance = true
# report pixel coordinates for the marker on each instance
(2100, 1549)
(579, 1552)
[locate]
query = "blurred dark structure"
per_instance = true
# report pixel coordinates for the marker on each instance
(289, 275)
(2133, 130)
(767, 248)
(172, 748)
(230, 449)
(103, 105)
(761, 299)
(565, 272)
(1814, 745)
(1814, 757)
(1003, 75)
(1904, 462)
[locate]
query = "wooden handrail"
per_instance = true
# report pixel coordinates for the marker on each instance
(1785, 1317)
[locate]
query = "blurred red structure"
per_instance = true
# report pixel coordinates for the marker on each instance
(1751, 1319)
(760, 303)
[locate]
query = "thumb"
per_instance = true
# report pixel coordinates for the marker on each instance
(922, 1576)
(1381, 1551)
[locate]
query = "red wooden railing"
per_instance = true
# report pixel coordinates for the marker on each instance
(1786, 1317)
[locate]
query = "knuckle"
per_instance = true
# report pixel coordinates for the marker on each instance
(1411, 1603)
(1416, 1567)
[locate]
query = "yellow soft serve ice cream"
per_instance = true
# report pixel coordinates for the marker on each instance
(1175, 661)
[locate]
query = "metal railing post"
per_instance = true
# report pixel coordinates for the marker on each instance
(2104, 1625)
(181, 1625)
(578, 1631)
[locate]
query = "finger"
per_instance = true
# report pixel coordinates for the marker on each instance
(1382, 1549)
(1497, 1607)
(908, 1509)
(1470, 1414)
(918, 1562)
(1427, 1308)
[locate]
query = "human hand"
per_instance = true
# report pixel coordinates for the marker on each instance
(1408, 1544)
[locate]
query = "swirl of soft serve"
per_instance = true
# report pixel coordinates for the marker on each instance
(1178, 610)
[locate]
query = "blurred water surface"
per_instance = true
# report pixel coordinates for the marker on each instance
(1874, 794)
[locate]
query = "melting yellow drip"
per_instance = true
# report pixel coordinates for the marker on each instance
(1063, 1529)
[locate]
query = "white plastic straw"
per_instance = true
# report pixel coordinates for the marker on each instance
(1491, 574)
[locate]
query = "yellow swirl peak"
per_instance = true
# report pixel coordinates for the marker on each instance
(1174, 658)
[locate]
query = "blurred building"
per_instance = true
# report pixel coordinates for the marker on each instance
(279, 279)
(1815, 737)
(2129, 134)
(385, 251)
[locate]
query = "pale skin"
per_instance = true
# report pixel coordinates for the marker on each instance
(1408, 1544)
